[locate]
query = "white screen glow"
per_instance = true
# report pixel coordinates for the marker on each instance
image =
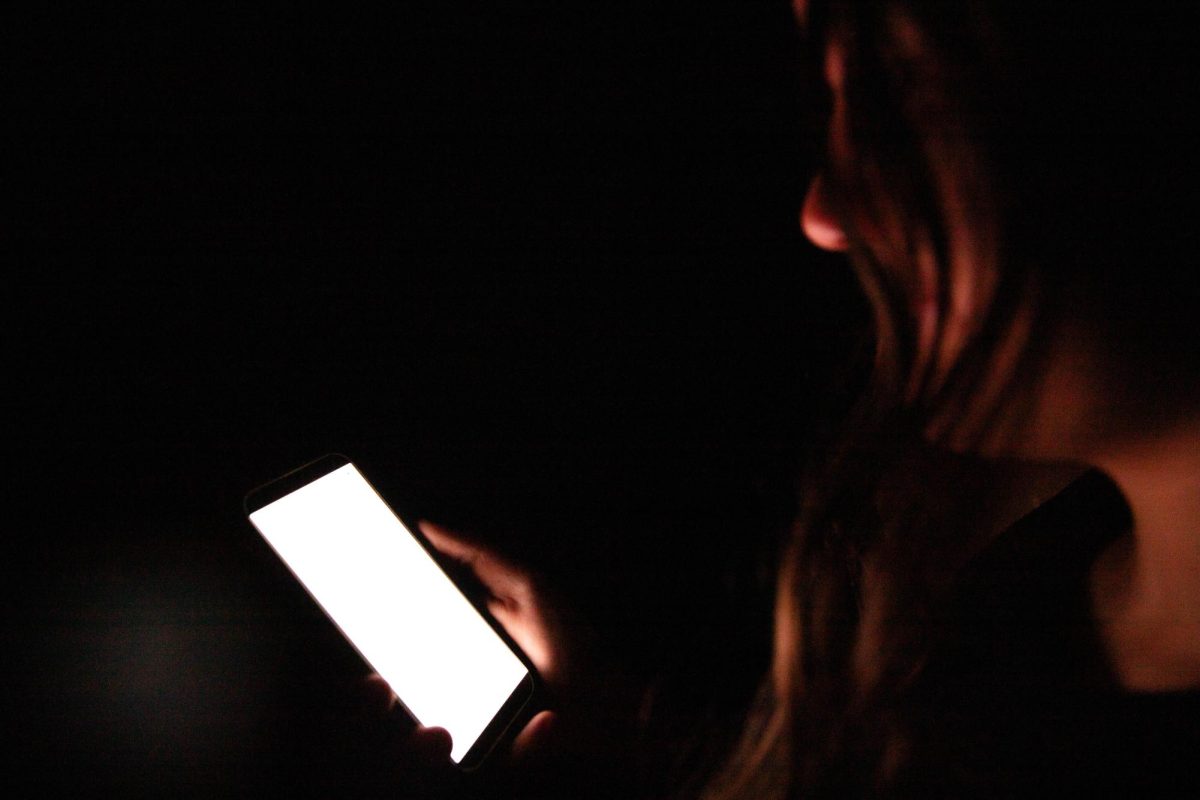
(390, 598)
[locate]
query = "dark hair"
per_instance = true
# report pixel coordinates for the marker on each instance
(1057, 143)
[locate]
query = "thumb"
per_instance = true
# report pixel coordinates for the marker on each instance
(535, 743)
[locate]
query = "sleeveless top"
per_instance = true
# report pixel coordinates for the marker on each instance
(1019, 699)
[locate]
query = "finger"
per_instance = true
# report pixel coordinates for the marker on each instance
(513, 602)
(417, 764)
(378, 696)
(431, 746)
(450, 543)
(504, 580)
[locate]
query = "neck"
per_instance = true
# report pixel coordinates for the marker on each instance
(1146, 587)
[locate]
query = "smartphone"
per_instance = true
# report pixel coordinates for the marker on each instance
(449, 662)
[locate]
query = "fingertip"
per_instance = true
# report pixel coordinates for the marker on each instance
(431, 527)
(433, 745)
(377, 694)
(447, 541)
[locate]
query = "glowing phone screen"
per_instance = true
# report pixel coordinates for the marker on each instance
(393, 602)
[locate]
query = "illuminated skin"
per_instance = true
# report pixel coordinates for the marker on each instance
(590, 703)
(906, 258)
(1146, 587)
(527, 617)
(1146, 595)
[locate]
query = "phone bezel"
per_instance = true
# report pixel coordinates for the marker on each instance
(520, 705)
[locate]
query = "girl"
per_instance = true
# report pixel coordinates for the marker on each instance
(1009, 181)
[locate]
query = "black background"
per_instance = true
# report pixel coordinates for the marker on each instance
(525, 261)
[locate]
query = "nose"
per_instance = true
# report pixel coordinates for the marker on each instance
(818, 220)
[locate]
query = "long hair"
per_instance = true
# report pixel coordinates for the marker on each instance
(974, 134)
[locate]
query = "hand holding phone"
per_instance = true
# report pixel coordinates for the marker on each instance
(448, 662)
